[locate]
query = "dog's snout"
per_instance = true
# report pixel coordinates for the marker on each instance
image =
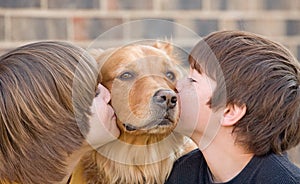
(165, 98)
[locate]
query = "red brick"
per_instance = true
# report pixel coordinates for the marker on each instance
(129, 5)
(237, 5)
(293, 27)
(277, 4)
(152, 29)
(181, 4)
(2, 28)
(38, 28)
(20, 3)
(73, 4)
(89, 29)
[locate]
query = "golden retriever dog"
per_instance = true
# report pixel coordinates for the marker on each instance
(141, 79)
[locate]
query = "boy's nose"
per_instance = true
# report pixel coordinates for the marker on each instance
(104, 93)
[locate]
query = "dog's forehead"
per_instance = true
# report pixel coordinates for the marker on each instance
(153, 50)
(139, 57)
(140, 51)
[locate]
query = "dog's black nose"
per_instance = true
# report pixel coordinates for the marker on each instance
(165, 98)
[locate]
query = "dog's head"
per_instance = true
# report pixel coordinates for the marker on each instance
(141, 79)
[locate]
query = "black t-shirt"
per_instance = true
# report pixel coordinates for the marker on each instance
(271, 169)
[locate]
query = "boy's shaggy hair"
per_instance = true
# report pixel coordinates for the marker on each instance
(260, 74)
(38, 126)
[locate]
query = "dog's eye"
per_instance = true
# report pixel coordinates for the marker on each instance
(170, 75)
(126, 76)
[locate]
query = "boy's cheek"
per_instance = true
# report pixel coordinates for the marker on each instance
(189, 111)
(180, 84)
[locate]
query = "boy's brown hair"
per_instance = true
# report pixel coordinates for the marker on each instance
(261, 74)
(41, 121)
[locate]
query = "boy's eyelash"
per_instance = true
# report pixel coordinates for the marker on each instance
(192, 80)
(97, 92)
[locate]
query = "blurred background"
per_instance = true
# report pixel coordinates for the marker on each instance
(82, 21)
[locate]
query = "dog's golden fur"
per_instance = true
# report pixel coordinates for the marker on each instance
(146, 150)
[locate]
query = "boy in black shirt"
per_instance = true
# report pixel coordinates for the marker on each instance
(241, 105)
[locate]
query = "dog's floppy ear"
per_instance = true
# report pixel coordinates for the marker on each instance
(165, 46)
(101, 55)
(95, 53)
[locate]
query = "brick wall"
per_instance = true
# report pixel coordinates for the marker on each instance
(82, 21)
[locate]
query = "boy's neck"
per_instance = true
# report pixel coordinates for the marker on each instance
(224, 158)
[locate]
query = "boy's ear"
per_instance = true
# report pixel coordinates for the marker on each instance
(165, 46)
(232, 114)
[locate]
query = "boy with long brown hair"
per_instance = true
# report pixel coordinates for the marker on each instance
(52, 112)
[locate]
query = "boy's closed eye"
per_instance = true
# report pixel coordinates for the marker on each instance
(97, 92)
(192, 80)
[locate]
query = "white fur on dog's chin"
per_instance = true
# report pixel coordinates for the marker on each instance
(143, 154)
